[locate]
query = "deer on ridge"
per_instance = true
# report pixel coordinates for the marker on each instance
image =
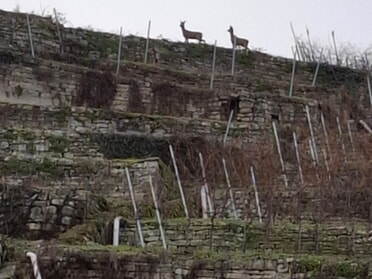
(239, 41)
(191, 34)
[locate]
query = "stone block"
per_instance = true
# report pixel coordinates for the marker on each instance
(57, 202)
(66, 220)
(67, 211)
(34, 226)
(36, 214)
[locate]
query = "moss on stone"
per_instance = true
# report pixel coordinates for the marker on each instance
(10, 134)
(198, 51)
(246, 60)
(62, 114)
(97, 41)
(58, 144)
(27, 167)
(27, 135)
(18, 91)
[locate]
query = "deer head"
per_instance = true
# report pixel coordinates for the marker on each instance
(182, 24)
(231, 30)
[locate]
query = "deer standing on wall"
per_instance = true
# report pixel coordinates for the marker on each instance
(191, 34)
(238, 41)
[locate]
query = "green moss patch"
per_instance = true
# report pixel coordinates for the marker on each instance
(22, 167)
(58, 144)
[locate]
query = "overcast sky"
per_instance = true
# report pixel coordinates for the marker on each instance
(266, 23)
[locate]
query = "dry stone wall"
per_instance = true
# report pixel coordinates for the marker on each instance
(45, 127)
(145, 90)
(80, 264)
(256, 73)
(43, 198)
(228, 236)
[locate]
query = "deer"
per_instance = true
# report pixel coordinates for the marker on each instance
(191, 34)
(238, 41)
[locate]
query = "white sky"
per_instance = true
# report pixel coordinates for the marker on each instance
(266, 23)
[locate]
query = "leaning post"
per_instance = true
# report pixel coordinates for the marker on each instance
(233, 57)
(147, 41)
(280, 154)
(30, 36)
(58, 31)
(119, 53)
(213, 65)
(293, 74)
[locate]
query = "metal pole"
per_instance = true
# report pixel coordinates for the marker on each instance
(317, 68)
(119, 53)
(365, 126)
(230, 190)
(312, 134)
(369, 89)
(298, 158)
(30, 36)
(293, 73)
(210, 206)
(296, 42)
(280, 155)
(256, 195)
(139, 229)
(312, 152)
(213, 65)
(179, 181)
(147, 41)
(326, 164)
(334, 42)
(325, 135)
(233, 57)
(157, 213)
(116, 231)
(340, 134)
(350, 135)
(310, 44)
(228, 127)
(58, 31)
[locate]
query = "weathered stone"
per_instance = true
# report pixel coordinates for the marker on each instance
(33, 226)
(68, 211)
(36, 214)
(66, 220)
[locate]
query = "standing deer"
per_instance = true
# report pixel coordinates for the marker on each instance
(191, 34)
(239, 41)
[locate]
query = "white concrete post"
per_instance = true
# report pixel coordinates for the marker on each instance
(210, 206)
(35, 265)
(116, 231)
